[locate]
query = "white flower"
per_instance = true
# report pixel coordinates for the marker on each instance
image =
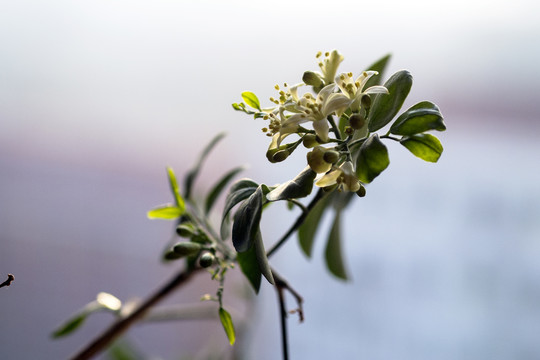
(317, 109)
(344, 176)
(329, 65)
(353, 89)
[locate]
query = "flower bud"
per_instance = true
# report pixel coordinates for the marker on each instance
(365, 101)
(206, 260)
(357, 121)
(362, 191)
(331, 156)
(280, 155)
(186, 248)
(310, 140)
(185, 230)
(311, 78)
(316, 162)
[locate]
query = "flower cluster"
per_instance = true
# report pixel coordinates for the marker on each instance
(333, 94)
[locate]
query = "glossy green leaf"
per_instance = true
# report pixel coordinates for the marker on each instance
(380, 67)
(420, 118)
(193, 173)
(372, 159)
(175, 190)
(333, 252)
(246, 221)
(70, 325)
(249, 265)
(239, 191)
(218, 188)
(251, 99)
(299, 187)
(425, 146)
(227, 323)
(308, 229)
(166, 212)
(386, 106)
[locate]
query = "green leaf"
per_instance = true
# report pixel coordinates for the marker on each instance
(246, 221)
(251, 99)
(386, 106)
(372, 159)
(420, 118)
(299, 187)
(333, 252)
(174, 188)
(218, 188)
(239, 191)
(262, 260)
(308, 229)
(227, 323)
(104, 301)
(193, 173)
(425, 146)
(166, 212)
(70, 325)
(380, 67)
(249, 265)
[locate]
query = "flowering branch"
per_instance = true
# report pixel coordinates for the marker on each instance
(337, 122)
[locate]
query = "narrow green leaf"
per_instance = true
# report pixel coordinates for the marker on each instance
(425, 146)
(227, 323)
(175, 190)
(239, 191)
(308, 230)
(218, 188)
(372, 159)
(246, 221)
(249, 265)
(251, 99)
(262, 260)
(380, 67)
(386, 106)
(70, 325)
(299, 187)
(166, 212)
(193, 173)
(333, 252)
(420, 118)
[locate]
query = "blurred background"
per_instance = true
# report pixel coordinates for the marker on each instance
(96, 98)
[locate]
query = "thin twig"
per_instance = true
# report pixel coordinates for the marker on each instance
(283, 318)
(299, 221)
(123, 324)
(8, 281)
(283, 284)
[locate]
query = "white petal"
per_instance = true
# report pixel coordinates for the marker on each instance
(336, 102)
(363, 79)
(329, 179)
(294, 91)
(378, 89)
(321, 128)
(325, 92)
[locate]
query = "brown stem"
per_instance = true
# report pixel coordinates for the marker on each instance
(123, 324)
(8, 281)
